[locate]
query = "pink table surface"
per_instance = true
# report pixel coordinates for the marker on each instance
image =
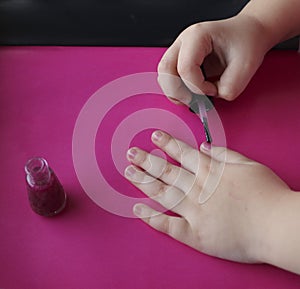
(42, 91)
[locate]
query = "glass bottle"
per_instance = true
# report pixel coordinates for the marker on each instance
(46, 194)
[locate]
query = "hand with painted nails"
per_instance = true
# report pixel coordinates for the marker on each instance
(230, 50)
(247, 216)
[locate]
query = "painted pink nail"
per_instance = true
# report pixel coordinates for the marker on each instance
(132, 154)
(130, 171)
(157, 135)
(206, 146)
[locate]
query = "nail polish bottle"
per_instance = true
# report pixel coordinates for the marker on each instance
(46, 194)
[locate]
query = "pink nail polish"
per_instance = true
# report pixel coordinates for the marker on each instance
(206, 146)
(46, 194)
(132, 154)
(157, 136)
(130, 171)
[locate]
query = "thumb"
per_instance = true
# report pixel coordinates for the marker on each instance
(235, 78)
(223, 154)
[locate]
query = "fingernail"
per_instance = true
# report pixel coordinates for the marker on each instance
(132, 154)
(206, 146)
(211, 93)
(157, 136)
(130, 171)
(137, 210)
(176, 101)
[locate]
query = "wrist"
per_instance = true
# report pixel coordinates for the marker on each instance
(263, 207)
(280, 19)
(282, 236)
(264, 36)
(265, 211)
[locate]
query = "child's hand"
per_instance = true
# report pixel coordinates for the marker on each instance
(235, 223)
(230, 49)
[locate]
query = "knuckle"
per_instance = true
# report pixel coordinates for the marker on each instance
(220, 154)
(171, 228)
(207, 166)
(184, 69)
(165, 65)
(199, 244)
(166, 226)
(250, 63)
(168, 169)
(194, 28)
(199, 184)
(161, 190)
(190, 154)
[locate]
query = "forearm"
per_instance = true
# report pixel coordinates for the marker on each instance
(283, 239)
(280, 18)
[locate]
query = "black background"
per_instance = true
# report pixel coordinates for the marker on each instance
(105, 22)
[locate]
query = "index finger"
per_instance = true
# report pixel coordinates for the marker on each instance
(194, 49)
(168, 77)
(190, 158)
